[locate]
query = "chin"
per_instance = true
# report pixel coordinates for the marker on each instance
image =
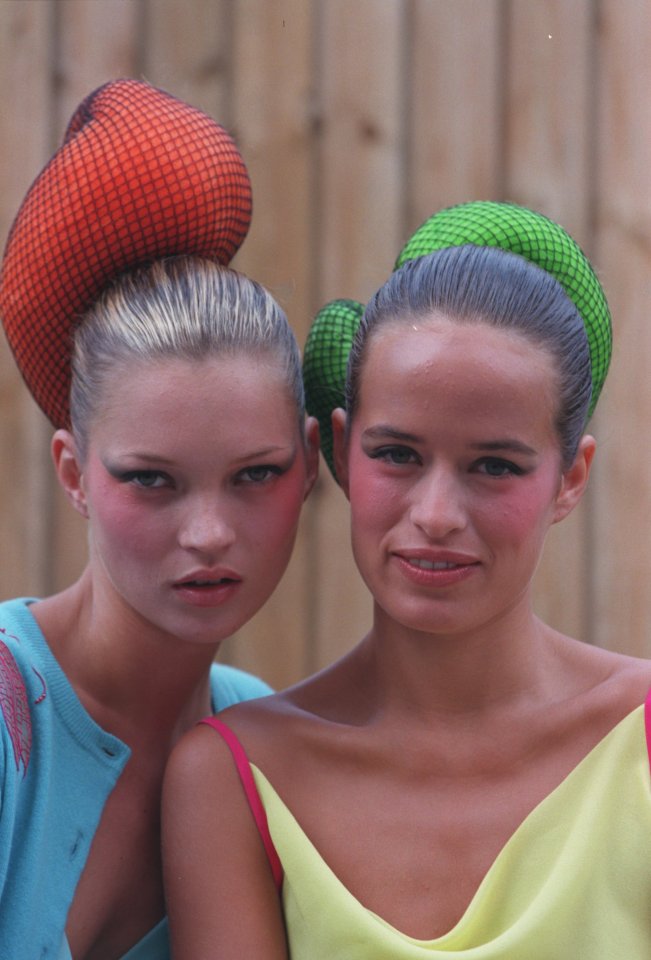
(433, 622)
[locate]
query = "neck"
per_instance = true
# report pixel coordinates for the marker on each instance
(491, 668)
(128, 675)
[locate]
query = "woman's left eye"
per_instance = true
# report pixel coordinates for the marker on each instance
(496, 467)
(146, 479)
(259, 474)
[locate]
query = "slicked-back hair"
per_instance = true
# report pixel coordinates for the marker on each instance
(182, 308)
(502, 289)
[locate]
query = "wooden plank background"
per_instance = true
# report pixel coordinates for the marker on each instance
(357, 120)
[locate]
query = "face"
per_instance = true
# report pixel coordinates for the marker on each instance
(193, 482)
(453, 471)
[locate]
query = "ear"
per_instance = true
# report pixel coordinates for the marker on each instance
(575, 479)
(339, 447)
(69, 469)
(311, 453)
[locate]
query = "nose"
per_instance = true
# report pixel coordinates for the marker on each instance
(206, 526)
(438, 505)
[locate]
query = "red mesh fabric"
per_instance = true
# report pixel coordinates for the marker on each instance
(140, 175)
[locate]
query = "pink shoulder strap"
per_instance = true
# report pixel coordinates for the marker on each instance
(647, 724)
(252, 795)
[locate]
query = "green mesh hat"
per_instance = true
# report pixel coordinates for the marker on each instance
(483, 223)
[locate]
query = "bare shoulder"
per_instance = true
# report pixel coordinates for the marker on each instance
(209, 744)
(329, 696)
(216, 869)
(250, 729)
(203, 795)
(615, 683)
(265, 713)
(275, 730)
(200, 757)
(630, 679)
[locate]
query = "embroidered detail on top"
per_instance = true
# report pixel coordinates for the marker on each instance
(41, 697)
(15, 707)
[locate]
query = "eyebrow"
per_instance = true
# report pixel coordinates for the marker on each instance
(285, 450)
(510, 444)
(157, 459)
(383, 432)
(515, 446)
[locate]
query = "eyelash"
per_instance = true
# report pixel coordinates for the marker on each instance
(388, 455)
(270, 470)
(136, 477)
(139, 478)
(507, 467)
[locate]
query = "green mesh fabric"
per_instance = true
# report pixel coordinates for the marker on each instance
(482, 223)
(537, 239)
(324, 364)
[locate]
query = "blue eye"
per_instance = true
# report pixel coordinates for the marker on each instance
(259, 474)
(146, 479)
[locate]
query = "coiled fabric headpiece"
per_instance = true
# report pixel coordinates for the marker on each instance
(482, 223)
(140, 175)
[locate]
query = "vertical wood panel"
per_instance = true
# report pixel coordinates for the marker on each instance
(271, 103)
(547, 166)
(361, 198)
(185, 49)
(26, 83)
(362, 162)
(97, 42)
(455, 104)
(548, 110)
(357, 121)
(622, 530)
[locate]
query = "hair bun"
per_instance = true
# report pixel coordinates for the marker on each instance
(140, 175)
(483, 223)
(541, 241)
(325, 361)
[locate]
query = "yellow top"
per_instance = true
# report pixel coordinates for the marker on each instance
(572, 883)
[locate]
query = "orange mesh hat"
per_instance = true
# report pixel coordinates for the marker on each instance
(140, 175)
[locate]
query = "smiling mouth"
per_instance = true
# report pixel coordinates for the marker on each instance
(434, 565)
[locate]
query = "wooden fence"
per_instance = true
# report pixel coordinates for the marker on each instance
(357, 119)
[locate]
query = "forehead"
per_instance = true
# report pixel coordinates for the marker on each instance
(436, 339)
(457, 370)
(179, 394)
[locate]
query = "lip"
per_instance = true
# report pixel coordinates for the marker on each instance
(440, 568)
(207, 588)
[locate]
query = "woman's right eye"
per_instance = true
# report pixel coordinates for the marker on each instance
(146, 479)
(395, 454)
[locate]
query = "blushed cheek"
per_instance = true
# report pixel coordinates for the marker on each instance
(516, 519)
(280, 519)
(119, 522)
(373, 502)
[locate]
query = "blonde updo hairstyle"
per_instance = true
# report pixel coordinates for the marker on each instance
(184, 308)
